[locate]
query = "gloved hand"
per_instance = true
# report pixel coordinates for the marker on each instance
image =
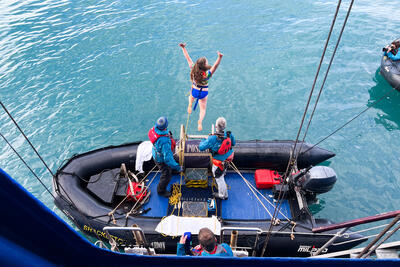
(228, 133)
(181, 168)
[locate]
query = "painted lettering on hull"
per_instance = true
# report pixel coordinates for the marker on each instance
(194, 148)
(158, 245)
(102, 234)
(310, 249)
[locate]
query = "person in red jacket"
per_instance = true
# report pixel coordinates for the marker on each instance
(163, 155)
(221, 146)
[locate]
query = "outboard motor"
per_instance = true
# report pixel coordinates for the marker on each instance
(317, 180)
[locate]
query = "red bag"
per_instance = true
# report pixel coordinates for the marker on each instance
(136, 191)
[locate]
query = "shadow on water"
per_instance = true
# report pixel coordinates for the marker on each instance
(388, 114)
(317, 206)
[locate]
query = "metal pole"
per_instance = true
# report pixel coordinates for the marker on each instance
(255, 244)
(234, 237)
(381, 242)
(364, 220)
(327, 244)
(379, 236)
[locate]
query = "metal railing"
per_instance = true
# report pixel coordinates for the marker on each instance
(137, 233)
(235, 233)
(370, 248)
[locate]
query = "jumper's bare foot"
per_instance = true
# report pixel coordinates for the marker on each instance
(190, 109)
(199, 126)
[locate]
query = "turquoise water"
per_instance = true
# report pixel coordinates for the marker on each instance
(80, 75)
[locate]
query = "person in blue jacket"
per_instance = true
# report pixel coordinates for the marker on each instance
(221, 146)
(163, 149)
(392, 51)
(208, 246)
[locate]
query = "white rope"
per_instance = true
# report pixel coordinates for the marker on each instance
(146, 187)
(253, 190)
(372, 228)
(365, 230)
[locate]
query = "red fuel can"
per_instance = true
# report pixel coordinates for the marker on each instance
(266, 178)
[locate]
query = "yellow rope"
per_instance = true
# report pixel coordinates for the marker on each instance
(187, 124)
(197, 183)
(176, 195)
(161, 232)
(175, 198)
(213, 184)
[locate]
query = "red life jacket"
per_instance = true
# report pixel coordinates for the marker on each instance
(198, 250)
(220, 164)
(225, 146)
(153, 136)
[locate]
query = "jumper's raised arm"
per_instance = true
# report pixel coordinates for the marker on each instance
(216, 64)
(186, 54)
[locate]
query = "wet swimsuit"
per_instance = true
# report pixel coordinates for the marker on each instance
(200, 94)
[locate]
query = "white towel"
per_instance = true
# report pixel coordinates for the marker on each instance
(143, 154)
(177, 226)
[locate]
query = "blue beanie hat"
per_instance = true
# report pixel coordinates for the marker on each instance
(162, 123)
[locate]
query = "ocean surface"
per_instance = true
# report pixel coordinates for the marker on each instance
(80, 75)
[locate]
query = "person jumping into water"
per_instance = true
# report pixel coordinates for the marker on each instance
(200, 73)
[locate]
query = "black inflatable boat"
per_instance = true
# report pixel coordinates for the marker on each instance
(390, 70)
(91, 189)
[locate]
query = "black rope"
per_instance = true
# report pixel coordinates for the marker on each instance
(26, 164)
(352, 119)
(326, 75)
(80, 212)
(47, 189)
(106, 215)
(27, 139)
(313, 86)
(290, 162)
(37, 153)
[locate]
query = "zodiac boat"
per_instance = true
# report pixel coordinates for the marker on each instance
(390, 70)
(92, 189)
